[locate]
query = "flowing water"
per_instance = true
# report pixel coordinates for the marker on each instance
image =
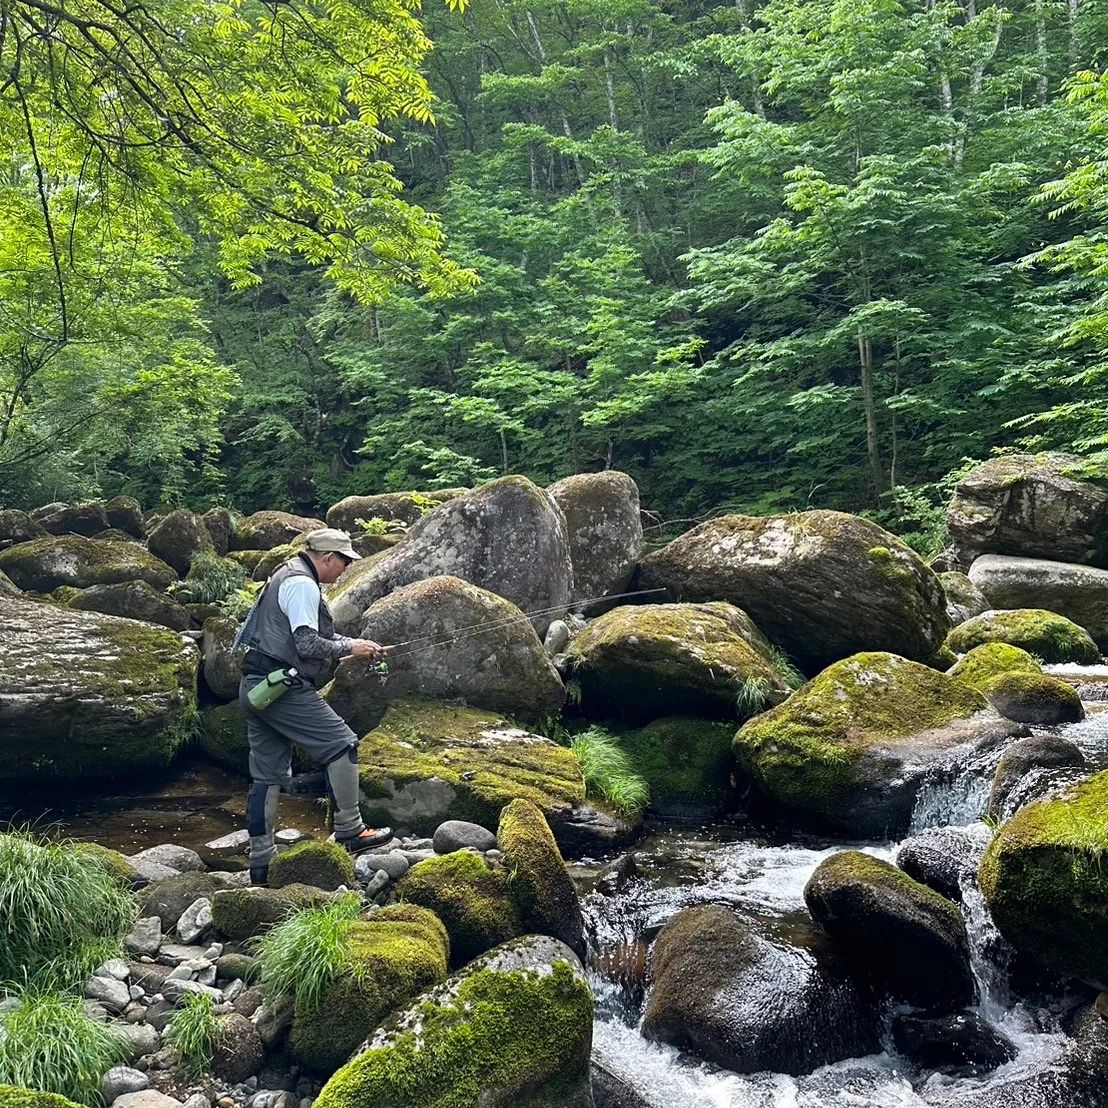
(763, 878)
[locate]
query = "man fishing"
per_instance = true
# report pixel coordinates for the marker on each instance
(290, 638)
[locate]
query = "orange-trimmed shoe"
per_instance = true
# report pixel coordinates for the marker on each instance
(365, 840)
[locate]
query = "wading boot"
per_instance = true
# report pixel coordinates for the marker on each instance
(366, 840)
(259, 877)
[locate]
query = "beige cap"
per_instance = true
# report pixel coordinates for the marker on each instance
(328, 540)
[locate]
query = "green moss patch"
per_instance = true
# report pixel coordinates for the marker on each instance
(1047, 635)
(472, 899)
(243, 913)
(1045, 878)
(323, 865)
(984, 663)
(13, 1097)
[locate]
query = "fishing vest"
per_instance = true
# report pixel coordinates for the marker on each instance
(267, 629)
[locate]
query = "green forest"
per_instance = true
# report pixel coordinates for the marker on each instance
(761, 255)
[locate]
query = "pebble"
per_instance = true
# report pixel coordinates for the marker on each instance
(172, 954)
(175, 989)
(147, 1098)
(288, 835)
(122, 1079)
(137, 992)
(393, 863)
(178, 858)
(417, 844)
(273, 1021)
(141, 1037)
(414, 857)
(233, 991)
(214, 951)
(145, 936)
(235, 841)
(494, 855)
(195, 920)
(226, 1102)
(110, 992)
(379, 880)
(198, 1100)
(147, 872)
(137, 1016)
(114, 967)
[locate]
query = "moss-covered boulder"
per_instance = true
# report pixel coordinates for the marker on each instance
(211, 579)
(404, 507)
(178, 538)
(220, 665)
(508, 537)
(1045, 879)
(964, 599)
(1035, 698)
(855, 743)
(1047, 635)
(17, 527)
(1078, 592)
(133, 600)
(502, 668)
(322, 865)
(1029, 769)
(223, 737)
(265, 530)
(220, 523)
(110, 860)
(13, 1096)
(982, 665)
(167, 899)
(822, 585)
(904, 935)
(41, 565)
(605, 531)
(656, 659)
(429, 762)
(242, 913)
(471, 897)
(1034, 505)
(733, 997)
(540, 885)
(512, 1030)
(688, 764)
(87, 695)
(87, 518)
(248, 559)
(387, 959)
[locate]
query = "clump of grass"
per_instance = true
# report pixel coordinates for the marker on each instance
(752, 697)
(608, 772)
(237, 604)
(784, 666)
(62, 912)
(193, 1031)
(49, 1043)
(300, 957)
(211, 579)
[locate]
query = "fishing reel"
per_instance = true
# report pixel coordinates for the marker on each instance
(380, 670)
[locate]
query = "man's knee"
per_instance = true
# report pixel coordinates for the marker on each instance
(350, 753)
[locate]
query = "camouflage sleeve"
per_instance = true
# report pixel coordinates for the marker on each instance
(311, 644)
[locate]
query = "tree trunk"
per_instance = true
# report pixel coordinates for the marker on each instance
(869, 403)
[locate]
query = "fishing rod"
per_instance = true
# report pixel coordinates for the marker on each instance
(429, 641)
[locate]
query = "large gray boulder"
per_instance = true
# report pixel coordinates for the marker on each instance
(648, 660)
(133, 600)
(501, 666)
(514, 1028)
(178, 538)
(905, 936)
(1078, 592)
(88, 695)
(220, 523)
(964, 599)
(43, 564)
(221, 666)
(124, 513)
(821, 585)
(605, 531)
(405, 507)
(88, 518)
(735, 998)
(17, 527)
(1030, 505)
(508, 537)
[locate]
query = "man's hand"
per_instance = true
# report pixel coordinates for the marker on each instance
(367, 648)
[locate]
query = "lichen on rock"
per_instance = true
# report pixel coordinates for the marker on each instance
(322, 865)
(1047, 635)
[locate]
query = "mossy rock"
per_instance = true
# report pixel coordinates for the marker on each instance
(687, 762)
(821, 584)
(854, 744)
(387, 959)
(111, 860)
(12, 1096)
(246, 912)
(248, 559)
(1030, 768)
(179, 538)
(89, 695)
(539, 883)
(985, 663)
(428, 762)
(1035, 698)
(223, 737)
(132, 600)
(964, 599)
(323, 865)
(272, 560)
(405, 507)
(472, 898)
(1049, 636)
(265, 530)
(167, 899)
(906, 936)
(696, 659)
(41, 565)
(211, 578)
(513, 1030)
(1045, 879)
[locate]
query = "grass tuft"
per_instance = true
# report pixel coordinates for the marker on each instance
(784, 666)
(193, 1031)
(608, 772)
(300, 957)
(49, 1043)
(211, 580)
(62, 913)
(752, 697)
